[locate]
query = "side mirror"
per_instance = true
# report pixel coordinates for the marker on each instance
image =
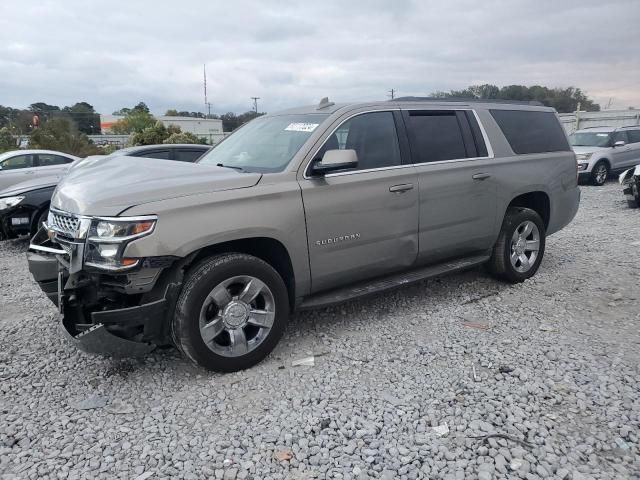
(333, 160)
(619, 143)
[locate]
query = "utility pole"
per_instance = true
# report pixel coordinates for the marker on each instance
(255, 103)
(392, 94)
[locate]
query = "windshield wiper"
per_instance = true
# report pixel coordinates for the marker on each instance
(240, 169)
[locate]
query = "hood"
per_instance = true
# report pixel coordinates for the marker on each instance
(113, 184)
(579, 149)
(29, 185)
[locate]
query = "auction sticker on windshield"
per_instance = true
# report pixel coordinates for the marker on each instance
(301, 127)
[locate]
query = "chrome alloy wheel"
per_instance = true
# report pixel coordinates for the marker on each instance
(601, 174)
(236, 316)
(525, 244)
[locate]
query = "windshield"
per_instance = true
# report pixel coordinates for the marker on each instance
(590, 139)
(266, 144)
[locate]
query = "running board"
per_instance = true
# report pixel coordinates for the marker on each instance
(325, 299)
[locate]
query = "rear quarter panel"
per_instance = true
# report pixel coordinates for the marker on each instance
(553, 173)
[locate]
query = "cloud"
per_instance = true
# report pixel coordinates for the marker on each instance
(289, 53)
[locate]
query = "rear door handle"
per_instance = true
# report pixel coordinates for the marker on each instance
(481, 176)
(401, 188)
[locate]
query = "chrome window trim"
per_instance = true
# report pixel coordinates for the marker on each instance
(490, 153)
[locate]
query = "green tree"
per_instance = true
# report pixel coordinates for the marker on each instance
(184, 137)
(564, 100)
(85, 117)
(134, 122)
(7, 141)
(60, 134)
(231, 121)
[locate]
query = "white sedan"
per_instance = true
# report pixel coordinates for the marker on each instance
(21, 165)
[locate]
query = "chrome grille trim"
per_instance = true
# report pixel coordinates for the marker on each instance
(64, 223)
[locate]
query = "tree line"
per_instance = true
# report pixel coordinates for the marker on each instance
(564, 100)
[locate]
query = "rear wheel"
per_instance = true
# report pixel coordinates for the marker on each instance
(600, 173)
(231, 313)
(635, 191)
(520, 247)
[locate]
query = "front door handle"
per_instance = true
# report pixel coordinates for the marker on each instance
(401, 188)
(481, 176)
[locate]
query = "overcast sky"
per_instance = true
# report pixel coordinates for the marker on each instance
(117, 53)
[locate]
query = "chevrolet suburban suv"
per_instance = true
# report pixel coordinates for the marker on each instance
(299, 209)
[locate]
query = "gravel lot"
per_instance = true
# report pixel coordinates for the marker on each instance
(552, 364)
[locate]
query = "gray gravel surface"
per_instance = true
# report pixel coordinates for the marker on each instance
(537, 380)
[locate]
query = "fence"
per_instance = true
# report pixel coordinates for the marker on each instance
(606, 118)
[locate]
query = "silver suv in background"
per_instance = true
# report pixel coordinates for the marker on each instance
(604, 150)
(299, 209)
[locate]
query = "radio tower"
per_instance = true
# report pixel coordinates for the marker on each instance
(206, 102)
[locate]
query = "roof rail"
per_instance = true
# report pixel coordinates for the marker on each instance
(468, 100)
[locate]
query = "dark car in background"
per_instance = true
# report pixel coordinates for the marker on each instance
(24, 206)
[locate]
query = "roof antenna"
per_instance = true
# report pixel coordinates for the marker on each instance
(324, 103)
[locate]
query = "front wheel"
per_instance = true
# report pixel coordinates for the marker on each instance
(231, 312)
(520, 247)
(600, 173)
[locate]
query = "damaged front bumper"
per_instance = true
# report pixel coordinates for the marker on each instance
(120, 315)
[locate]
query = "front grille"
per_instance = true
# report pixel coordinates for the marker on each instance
(64, 223)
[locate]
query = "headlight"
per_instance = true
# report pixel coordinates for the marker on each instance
(584, 156)
(108, 237)
(8, 202)
(116, 230)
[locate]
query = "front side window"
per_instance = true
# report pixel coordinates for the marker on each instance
(590, 139)
(620, 137)
(266, 144)
(19, 161)
(372, 135)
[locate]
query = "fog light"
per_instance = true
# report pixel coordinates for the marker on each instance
(108, 250)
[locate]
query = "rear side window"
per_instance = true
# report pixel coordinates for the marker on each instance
(161, 154)
(530, 131)
(634, 136)
(183, 155)
(48, 160)
(435, 136)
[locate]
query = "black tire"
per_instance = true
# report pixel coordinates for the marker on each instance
(500, 263)
(42, 218)
(200, 281)
(635, 190)
(597, 178)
